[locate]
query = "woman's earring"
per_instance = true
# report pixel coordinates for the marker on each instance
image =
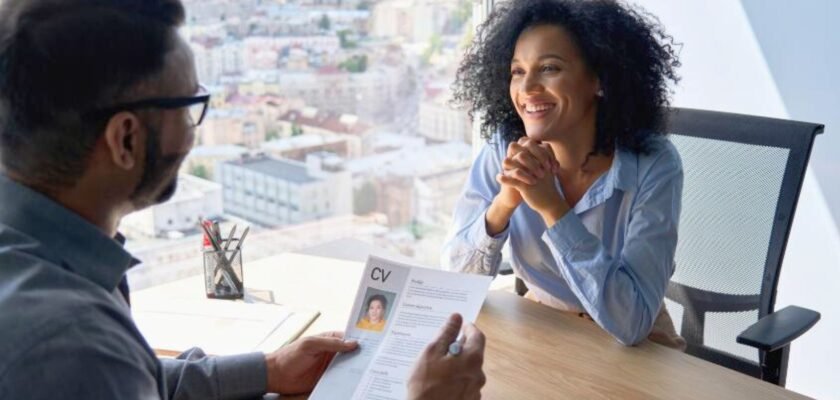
(600, 93)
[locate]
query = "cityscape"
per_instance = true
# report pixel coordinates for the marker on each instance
(329, 119)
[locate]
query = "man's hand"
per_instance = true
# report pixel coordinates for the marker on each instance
(440, 375)
(295, 368)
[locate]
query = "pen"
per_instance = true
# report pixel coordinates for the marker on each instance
(239, 245)
(227, 246)
(218, 232)
(211, 236)
(230, 237)
(238, 248)
(221, 259)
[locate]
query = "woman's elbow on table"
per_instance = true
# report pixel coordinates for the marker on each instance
(630, 339)
(631, 334)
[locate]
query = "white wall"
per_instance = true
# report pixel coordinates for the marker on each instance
(724, 69)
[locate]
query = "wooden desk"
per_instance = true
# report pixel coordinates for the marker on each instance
(533, 351)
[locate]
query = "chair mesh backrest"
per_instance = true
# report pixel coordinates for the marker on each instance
(730, 194)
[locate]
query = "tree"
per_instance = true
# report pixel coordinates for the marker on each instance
(355, 64)
(414, 227)
(466, 39)
(463, 13)
(364, 199)
(435, 46)
(272, 134)
(297, 130)
(199, 171)
(325, 23)
(344, 40)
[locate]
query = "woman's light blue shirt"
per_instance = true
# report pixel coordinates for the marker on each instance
(611, 256)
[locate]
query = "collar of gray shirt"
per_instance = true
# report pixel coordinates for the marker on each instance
(63, 237)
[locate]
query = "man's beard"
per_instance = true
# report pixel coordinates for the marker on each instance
(160, 174)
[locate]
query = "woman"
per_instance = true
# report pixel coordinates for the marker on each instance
(374, 320)
(577, 174)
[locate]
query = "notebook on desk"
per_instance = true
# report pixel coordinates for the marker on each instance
(219, 327)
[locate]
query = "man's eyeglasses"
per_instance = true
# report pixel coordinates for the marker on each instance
(196, 106)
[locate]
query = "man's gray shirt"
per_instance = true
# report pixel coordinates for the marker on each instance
(65, 324)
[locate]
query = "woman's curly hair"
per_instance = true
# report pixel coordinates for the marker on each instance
(624, 46)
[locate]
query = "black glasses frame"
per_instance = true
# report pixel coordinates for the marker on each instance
(167, 103)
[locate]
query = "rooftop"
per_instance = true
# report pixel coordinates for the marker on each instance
(224, 150)
(415, 161)
(302, 141)
(287, 170)
(333, 122)
(193, 188)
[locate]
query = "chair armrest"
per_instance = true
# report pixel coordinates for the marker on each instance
(778, 329)
(505, 268)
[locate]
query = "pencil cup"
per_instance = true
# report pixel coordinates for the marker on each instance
(223, 278)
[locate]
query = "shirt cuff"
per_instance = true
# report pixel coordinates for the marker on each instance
(567, 233)
(484, 242)
(242, 376)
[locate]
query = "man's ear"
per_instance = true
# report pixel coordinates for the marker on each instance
(123, 137)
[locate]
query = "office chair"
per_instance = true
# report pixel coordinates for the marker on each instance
(743, 175)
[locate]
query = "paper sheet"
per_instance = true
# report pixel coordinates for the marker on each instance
(398, 311)
(219, 327)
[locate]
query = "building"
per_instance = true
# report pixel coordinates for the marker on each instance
(231, 126)
(297, 59)
(436, 193)
(205, 158)
(370, 95)
(216, 57)
(304, 17)
(254, 88)
(384, 142)
(415, 184)
(194, 199)
(427, 198)
(209, 59)
(347, 4)
(297, 147)
(310, 120)
(440, 122)
(276, 192)
(394, 198)
(412, 20)
(232, 58)
(264, 53)
(265, 108)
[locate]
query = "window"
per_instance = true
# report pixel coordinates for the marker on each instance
(324, 120)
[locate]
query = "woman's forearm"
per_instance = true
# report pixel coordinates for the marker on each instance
(497, 217)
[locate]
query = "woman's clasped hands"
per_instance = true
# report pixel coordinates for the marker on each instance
(529, 174)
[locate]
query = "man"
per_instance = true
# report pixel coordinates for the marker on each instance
(98, 107)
